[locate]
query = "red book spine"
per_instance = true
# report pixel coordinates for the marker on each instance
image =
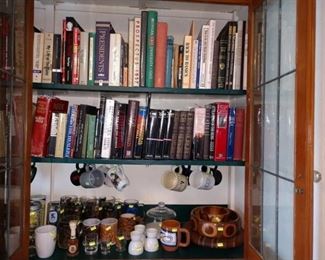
(75, 55)
(221, 132)
(161, 49)
(131, 124)
(239, 133)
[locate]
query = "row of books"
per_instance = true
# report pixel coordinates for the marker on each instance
(148, 58)
(116, 130)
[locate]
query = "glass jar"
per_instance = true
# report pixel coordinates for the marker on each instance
(53, 209)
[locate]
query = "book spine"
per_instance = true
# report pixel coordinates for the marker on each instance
(173, 146)
(143, 47)
(56, 63)
(188, 137)
(108, 129)
(136, 51)
(209, 55)
(59, 145)
(245, 60)
(220, 148)
(115, 59)
(198, 132)
(75, 56)
(130, 52)
(83, 58)
(68, 52)
(203, 58)
(2, 133)
(53, 134)
(131, 124)
(85, 137)
(207, 125)
(198, 64)
(119, 130)
(102, 48)
(161, 49)
(91, 58)
(63, 44)
(47, 58)
(223, 43)
(169, 61)
(91, 136)
(162, 119)
(228, 59)
(99, 127)
(232, 55)
(151, 48)
(231, 133)
(70, 132)
(181, 135)
(38, 57)
(139, 137)
(239, 133)
(152, 134)
(170, 114)
(179, 78)
(194, 62)
(175, 66)
(4, 48)
(79, 131)
(212, 130)
(187, 58)
(215, 64)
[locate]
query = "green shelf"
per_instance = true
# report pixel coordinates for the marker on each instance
(144, 90)
(136, 162)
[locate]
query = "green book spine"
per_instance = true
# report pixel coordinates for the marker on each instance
(91, 136)
(151, 48)
(91, 58)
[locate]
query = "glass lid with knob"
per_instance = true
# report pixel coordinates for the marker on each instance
(161, 212)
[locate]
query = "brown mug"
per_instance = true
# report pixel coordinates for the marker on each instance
(171, 234)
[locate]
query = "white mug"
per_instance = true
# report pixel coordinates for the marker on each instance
(45, 240)
(115, 177)
(174, 181)
(202, 180)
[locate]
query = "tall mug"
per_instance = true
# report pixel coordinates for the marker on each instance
(171, 235)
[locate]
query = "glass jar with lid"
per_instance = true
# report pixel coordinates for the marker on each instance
(160, 213)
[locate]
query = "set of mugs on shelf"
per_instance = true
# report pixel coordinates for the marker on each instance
(90, 176)
(203, 178)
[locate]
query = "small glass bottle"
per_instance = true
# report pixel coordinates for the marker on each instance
(73, 243)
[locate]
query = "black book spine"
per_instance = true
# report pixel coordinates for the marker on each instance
(228, 58)
(119, 130)
(99, 127)
(180, 66)
(232, 55)
(139, 138)
(188, 137)
(174, 134)
(152, 133)
(131, 124)
(162, 118)
(168, 134)
(56, 61)
(143, 48)
(181, 135)
(223, 43)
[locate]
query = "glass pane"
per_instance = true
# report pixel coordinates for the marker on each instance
(257, 129)
(272, 40)
(269, 216)
(287, 126)
(288, 35)
(270, 127)
(19, 47)
(285, 220)
(259, 46)
(256, 211)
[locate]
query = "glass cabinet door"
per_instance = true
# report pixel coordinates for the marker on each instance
(276, 179)
(14, 132)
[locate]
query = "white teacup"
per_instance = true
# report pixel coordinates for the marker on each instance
(202, 180)
(45, 240)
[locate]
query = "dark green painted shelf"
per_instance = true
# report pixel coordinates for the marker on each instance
(137, 162)
(97, 88)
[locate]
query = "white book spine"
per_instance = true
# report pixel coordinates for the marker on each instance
(83, 58)
(114, 73)
(195, 48)
(47, 58)
(60, 138)
(204, 43)
(108, 129)
(136, 52)
(38, 57)
(209, 53)
(187, 61)
(130, 53)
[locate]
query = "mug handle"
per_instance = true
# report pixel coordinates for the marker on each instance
(187, 235)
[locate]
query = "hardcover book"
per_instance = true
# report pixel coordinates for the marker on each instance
(199, 132)
(91, 58)
(102, 48)
(83, 58)
(38, 57)
(203, 42)
(221, 131)
(143, 48)
(181, 135)
(169, 61)
(209, 54)
(188, 137)
(231, 133)
(99, 127)
(75, 55)
(212, 129)
(137, 51)
(47, 58)
(53, 134)
(140, 131)
(207, 126)
(161, 49)
(130, 52)
(108, 128)
(56, 62)
(91, 136)
(151, 134)
(179, 79)
(119, 128)
(70, 136)
(60, 138)
(239, 133)
(173, 145)
(115, 60)
(167, 142)
(131, 124)
(187, 59)
(162, 119)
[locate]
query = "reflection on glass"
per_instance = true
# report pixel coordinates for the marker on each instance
(269, 216)
(19, 47)
(6, 40)
(270, 121)
(259, 47)
(287, 126)
(288, 35)
(285, 219)
(272, 40)
(257, 129)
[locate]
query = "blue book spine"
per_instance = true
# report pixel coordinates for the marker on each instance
(169, 61)
(231, 133)
(198, 63)
(71, 122)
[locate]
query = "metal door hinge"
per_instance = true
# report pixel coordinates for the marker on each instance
(317, 176)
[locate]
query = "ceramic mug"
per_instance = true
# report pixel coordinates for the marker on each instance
(202, 180)
(45, 240)
(174, 181)
(115, 177)
(171, 234)
(92, 179)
